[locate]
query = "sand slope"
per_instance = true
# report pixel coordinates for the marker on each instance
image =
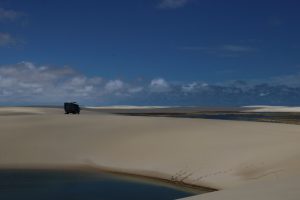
(213, 153)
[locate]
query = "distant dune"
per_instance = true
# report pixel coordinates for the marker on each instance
(252, 108)
(244, 160)
(263, 108)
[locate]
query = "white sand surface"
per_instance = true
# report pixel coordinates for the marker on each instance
(225, 155)
(287, 188)
(20, 110)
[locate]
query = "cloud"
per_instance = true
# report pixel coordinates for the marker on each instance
(222, 48)
(9, 15)
(195, 48)
(172, 4)
(192, 87)
(136, 89)
(7, 40)
(26, 83)
(159, 85)
(114, 85)
(236, 48)
(227, 50)
(289, 80)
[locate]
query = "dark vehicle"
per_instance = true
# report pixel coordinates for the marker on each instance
(71, 107)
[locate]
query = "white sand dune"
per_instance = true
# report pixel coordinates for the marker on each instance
(271, 109)
(243, 160)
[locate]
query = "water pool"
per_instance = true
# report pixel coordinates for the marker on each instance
(77, 185)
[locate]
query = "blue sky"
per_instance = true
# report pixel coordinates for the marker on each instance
(173, 43)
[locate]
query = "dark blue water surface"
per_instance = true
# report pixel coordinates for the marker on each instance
(240, 117)
(74, 185)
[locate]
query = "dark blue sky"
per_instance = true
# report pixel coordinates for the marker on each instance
(210, 41)
(200, 40)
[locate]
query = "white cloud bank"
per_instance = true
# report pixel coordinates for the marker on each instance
(26, 83)
(30, 83)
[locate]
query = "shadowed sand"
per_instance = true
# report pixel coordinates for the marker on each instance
(241, 159)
